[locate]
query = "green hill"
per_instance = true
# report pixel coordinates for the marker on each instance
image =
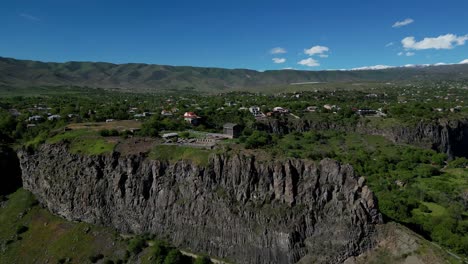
(158, 78)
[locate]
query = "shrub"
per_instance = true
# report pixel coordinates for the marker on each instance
(258, 139)
(104, 133)
(159, 252)
(202, 260)
(459, 163)
(113, 133)
(185, 134)
(136, 245)
(21, 229)
(424, 208)
(174, 257)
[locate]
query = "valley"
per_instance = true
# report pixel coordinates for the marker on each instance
(237, 177)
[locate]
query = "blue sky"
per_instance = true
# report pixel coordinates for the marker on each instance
(314, 35)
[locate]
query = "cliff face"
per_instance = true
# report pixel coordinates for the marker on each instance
(235, 208)
(450, 137)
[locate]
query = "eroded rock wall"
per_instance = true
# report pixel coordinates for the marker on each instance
(235, 208)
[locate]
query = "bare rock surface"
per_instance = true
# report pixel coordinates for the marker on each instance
(235, 208)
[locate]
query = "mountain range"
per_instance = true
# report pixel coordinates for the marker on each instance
(160, 78)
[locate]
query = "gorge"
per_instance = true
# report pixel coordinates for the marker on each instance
(236, 207)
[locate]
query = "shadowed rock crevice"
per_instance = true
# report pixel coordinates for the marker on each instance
(10, 171)
(235, 207)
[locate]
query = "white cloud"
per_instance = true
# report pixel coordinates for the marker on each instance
(323, 55)
(279, 60)
(375, 67)
(389, 44)
(278, 50)
(288, 68)
(309, 62)
(29, 17)
(448, 41)
(408, 53)
(403, 23)
(382, 67)
(316, 50)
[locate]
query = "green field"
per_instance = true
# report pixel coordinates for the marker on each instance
(84, 142)
(176, 153)
(30, 234)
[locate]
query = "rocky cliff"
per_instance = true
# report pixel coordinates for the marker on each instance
(236, 207)
(445, 136)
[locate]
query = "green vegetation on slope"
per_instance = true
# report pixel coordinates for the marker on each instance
(84, 142)
(30, 234)
(144, 77)
(176, 153)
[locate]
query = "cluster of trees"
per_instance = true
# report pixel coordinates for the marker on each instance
(162, 252)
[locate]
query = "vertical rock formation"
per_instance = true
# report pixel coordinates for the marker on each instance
(236, 208)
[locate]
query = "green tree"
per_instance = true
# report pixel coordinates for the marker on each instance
(258, 139)
(202, 260)
(174, 257)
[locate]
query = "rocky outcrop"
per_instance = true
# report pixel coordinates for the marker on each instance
(10, 179)
(446, 136)
(236, 207)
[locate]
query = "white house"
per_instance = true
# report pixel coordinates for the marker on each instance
(54, 117)
(35, 118)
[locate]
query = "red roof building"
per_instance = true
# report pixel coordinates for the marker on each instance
(190, 115)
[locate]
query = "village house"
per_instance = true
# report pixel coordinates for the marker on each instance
(280, 109)
(170, 137)
(312, 108)
(54, 117)
(255, 110)
(232, 130)
(132, 110)
(456, 109)
(166, 113)
(191, 118)
(14, 112)
(35, 118)
(328, 106)
(366, 111)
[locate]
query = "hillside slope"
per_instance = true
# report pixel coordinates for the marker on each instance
(147, 77)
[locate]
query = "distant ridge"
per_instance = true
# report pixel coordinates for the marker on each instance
(147, 77)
